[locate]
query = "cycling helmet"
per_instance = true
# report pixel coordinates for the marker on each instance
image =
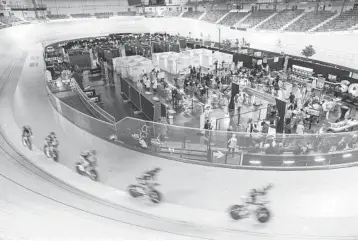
(92, 152)
(52, 134)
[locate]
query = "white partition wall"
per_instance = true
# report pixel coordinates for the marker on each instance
(207, 60)
(175, 62)
(132, 66)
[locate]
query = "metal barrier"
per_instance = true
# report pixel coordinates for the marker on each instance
(92, 125)
(254, 150)
(211, 147)
(93, 107)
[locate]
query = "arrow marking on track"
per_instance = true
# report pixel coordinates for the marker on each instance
(218, 154)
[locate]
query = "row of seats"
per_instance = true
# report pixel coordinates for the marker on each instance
(171, 13)
(256, 18)
(232, 18)
(281, 19)
(104, 15)
(57, 16)
(343, 22)
(126, 13)
(81, 15)
(309, 20)
(88, 15)
(193, 15)
(9, 19)
(213, 16)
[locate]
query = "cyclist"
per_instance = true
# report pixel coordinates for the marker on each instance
(89, 159)
(259, 192)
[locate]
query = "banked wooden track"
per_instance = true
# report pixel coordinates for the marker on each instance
(305, 204)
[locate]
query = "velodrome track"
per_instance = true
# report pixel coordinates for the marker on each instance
(312, 204)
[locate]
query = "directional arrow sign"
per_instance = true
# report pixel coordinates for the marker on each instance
(218, 154)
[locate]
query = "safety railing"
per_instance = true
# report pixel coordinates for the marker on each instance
(93, 107)
(251, 150)
(92, 125)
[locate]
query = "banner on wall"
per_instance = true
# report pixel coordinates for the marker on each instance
(275, 59)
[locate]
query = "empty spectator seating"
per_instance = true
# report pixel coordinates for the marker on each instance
(171, 13)
(232, 18)
(256, 18)
(194, 15)
(10, 20)
(214, 16)
(57, 16)
(309, 20)
(281, 19)
(81, 15)
(343, 22)
(126, 13)
(103, 15)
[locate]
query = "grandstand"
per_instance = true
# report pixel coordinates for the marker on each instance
(81, 15)
(213, 16)
(309, 20)
(232, 18)
(104, 15)
(281, 19)
(10, 20)
(57, 16)
(193, 15)
(126, 13)
(256, 18)
(294, 17)
(343, 22)
(85, 6)
(170, 13)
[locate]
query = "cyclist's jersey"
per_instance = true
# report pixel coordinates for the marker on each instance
(53, 141)
(26, 131)
(91, 159)
(256, 193)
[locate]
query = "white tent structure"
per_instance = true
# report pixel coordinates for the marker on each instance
(175, 63)
(132, 66)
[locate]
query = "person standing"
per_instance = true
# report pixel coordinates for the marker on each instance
(288, 114)
(232, 144)
(207, 127)
(155, 85)
(292, 98)
(300, 128)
